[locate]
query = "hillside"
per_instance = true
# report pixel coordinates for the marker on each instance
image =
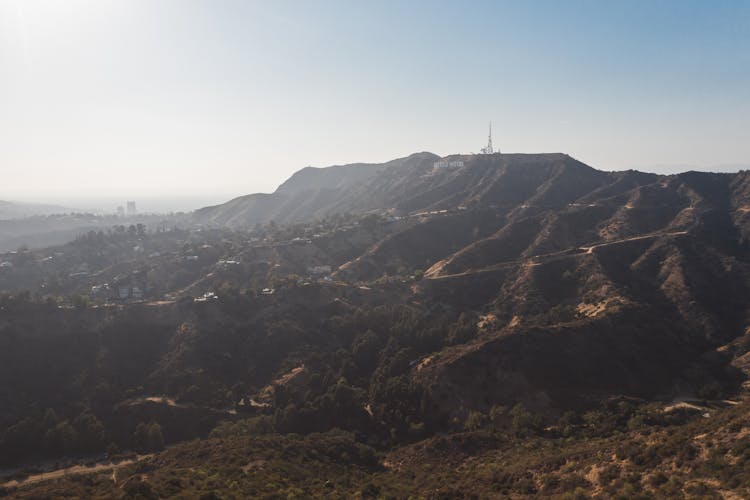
(403, 303)
(18, 210)
(309, 194)
(414, 184)
(620, 451)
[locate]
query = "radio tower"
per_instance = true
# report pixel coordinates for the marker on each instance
(487, 150)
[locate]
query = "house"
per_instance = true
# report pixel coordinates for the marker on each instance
(206, 297)
(100, 290)
(226, 264)
(319, 269)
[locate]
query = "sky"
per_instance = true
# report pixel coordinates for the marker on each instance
(213, 99)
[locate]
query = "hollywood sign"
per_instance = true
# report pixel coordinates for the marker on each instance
(448, 164)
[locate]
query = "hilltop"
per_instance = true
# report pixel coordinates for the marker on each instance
(18, 210)
(308, 194)
(403, 185)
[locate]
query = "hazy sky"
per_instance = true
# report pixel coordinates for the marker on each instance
(134, 98)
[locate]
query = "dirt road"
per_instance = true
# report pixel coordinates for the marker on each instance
(536, 260)
(74, 469)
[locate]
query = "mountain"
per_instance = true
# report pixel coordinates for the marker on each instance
(678, 168)
(17, 210)
(652, 454)
(410, 184)
(564, 264)
(419, 182)
(310, 193)
(505, 317)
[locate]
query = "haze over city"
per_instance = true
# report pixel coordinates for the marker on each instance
(374, 249)
(129, 99)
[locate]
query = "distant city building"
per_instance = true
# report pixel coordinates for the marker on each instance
(131, 208)
(121, 211)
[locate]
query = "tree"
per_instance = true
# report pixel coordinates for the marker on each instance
(154, 437)
(498, 417)
(365, 351)
(91, 433)
(80, 301)
(136, 488)
(475, 421)
(113, 450)
(524, 422)
(140, 437)
(50, 418)
(148, 437)
(370, 221)
(63, 438)
(463, 330)
(370, 490)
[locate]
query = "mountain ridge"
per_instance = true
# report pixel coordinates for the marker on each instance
(360, 187)
(444, 297)
(415, 182)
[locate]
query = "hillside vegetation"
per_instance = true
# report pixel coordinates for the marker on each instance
(519, 325)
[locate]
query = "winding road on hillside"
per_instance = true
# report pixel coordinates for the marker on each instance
(537, 260)
(74, 469)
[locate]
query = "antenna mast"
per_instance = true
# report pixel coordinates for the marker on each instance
(489, 141)
(488, 150)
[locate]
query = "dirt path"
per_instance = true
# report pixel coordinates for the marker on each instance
(536, 260)
(590, 249)
(156, 399)
(195, 284)
(164, 400)
(158, 303)
(74, 469)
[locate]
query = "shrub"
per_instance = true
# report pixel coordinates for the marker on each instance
(523, 422)
(475, 421)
